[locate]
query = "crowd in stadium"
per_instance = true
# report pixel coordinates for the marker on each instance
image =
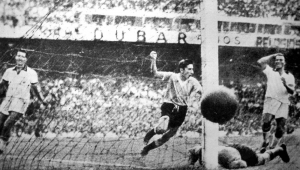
(126, 107)
(18, 13)
(282, 9)
(251, 98)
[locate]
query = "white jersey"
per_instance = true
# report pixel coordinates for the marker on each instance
(275, 87)
(20, 83)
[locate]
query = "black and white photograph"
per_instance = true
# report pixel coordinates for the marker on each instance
(149, 84)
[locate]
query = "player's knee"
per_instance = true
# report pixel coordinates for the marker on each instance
(280, 130)
(279, 133)
(266, 127)
(267, 117)
(164, 138)
(160, 130)
(159, 142)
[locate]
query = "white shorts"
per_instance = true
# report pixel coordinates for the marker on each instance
(276, 108)
(14, 104)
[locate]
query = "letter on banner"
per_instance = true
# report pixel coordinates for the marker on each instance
(291, 43)
(265, 41)
(226, 40)
(259, 41)
(161, 37)
(181, 36)
(98, 34)
(118, 34)
(141, 36)
(237, 41)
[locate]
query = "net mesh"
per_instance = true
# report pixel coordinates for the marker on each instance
(98, 117)
(103, 100)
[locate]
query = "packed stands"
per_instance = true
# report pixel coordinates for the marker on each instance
(18, 13)
(107, 107)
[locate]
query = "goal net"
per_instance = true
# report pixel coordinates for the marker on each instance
(103, 100)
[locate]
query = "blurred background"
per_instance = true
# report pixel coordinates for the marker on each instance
(91, 56)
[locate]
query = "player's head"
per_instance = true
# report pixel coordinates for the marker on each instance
(21, 58)
(279, 62)
(186, 68)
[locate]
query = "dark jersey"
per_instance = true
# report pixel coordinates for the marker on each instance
(247, 154)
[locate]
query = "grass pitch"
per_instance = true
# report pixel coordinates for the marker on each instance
(97, 154)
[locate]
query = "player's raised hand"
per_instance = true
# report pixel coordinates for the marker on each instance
(153, 55)
(283, 80)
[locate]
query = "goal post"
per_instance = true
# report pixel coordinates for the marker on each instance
(210, 77)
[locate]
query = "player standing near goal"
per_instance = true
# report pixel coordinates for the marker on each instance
(280, 85)
(181, 86)
(16, 83)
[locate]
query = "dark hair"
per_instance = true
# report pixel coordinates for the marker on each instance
(184, 63)
(22, 51)
(279, 54)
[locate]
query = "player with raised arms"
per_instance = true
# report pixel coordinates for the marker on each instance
(180, 87)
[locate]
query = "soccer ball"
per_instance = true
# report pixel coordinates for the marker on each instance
(219, 105)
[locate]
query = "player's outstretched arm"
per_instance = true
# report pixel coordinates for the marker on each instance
(265, 60)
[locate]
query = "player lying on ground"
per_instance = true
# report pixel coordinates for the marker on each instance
(240, 156)
(181, 86)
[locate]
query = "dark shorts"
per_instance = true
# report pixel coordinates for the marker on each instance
(247, 154)
(176, 114)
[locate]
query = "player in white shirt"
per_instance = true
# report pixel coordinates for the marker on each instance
(17, 81)
(280, 85)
